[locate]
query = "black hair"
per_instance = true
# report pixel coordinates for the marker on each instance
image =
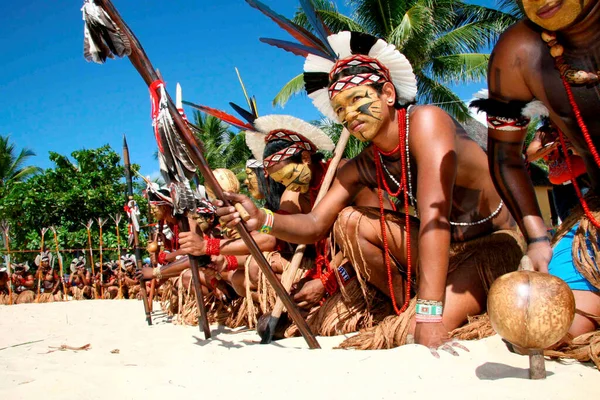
(269, 188)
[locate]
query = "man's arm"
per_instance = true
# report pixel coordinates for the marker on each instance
(505, 143)
(300, 228)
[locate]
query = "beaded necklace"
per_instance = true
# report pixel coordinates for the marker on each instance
(402, 140)
(570, 77)
(413, 199)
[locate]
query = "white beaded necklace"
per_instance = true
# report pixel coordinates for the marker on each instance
(413, 200)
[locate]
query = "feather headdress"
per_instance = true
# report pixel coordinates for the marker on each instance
(328, 55)
(102, 38)
(46, 255)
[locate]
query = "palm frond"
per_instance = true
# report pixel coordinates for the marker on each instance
(432, 92)
(292, 88)
(460, 68)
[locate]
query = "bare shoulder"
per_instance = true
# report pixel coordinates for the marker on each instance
(518, 40)
(429, 122)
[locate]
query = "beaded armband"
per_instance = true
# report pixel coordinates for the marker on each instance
(268, 226)
(232, 263)
(213, 247)
(429, 311)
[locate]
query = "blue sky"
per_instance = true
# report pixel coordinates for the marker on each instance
(53, 100)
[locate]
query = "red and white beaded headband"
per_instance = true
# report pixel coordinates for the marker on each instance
(299, 144)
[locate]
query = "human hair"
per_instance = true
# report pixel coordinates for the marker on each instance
(269, 188)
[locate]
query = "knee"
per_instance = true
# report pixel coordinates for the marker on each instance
(346, 222)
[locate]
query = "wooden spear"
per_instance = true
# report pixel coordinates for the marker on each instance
(88, 226)
(140, 61)
(43, 232)
(290, 273)
(60, 263)
(101, 223)
(5, 229)
(117, 219)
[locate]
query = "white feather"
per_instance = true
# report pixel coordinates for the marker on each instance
(321, 101)
(534, 109)
(340, 43)
(271, 123)
(256, 143)
(317, 64)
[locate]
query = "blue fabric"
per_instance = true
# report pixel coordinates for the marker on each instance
(562, 265)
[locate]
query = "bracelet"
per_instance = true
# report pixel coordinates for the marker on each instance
(427, 319)
(329, 282)
(156, 273)
(538, 239)
(269, 221)
(213, 247)
(429, 308)
(232, 263)
(162, 258)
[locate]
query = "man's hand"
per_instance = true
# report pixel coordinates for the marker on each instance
(191, 243)
(144, 274)
(539, 255)
(435, 336)
(230, 217)
(308, 292)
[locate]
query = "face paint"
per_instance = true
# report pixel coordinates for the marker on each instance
(251, 183)
(295, 177)
(554, 15)
(359, 109)
(158, 212)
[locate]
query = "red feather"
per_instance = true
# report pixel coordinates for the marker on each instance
(222, 115)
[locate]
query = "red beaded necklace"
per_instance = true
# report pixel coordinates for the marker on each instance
(381, 181)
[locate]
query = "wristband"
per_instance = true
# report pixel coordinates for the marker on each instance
(162, 258)
(213, 247)
(232, 263)
(156, 273)
(429, 311)
(268, 226)
(538, 239)
(329, 282)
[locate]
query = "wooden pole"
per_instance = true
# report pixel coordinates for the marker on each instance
(117, 219)
(43, 231)
(101, 223)
(141, 62)
(5, 229)
(88, 226)
(60, 263)
(290, 274)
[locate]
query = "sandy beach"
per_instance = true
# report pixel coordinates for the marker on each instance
(127, 359)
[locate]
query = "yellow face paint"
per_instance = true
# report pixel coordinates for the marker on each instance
(359, 110)
(295, 177)
(251, 183)
(554, 15)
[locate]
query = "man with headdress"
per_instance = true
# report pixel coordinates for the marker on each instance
(463, 237)
(107, 280)
(4, 282)
(23, 283)
(553, 57)
(48, 277)
(80, 280)
(262, 188)
(131, 286)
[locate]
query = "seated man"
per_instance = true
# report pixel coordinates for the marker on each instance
(422, 157)
(23, 283)
(48, 278)
(80, 280)
(552, 56)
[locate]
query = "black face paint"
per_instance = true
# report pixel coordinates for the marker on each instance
(366, 109)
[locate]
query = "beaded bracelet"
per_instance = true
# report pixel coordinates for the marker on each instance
(268, 226)
(429, 311)
(232, 263)
(213, 247)
(329, 282)
(156, 272)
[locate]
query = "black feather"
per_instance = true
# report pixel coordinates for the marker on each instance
(497, 108)
(361, 43)
(314, 81)
(248, 116)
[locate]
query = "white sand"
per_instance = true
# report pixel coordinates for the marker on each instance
(165, 361)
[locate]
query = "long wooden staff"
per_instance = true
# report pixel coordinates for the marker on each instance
(140, 61)
(290, 273)
(60, 263)
(5, 228)
(88, 226)
(117, 219)
(43, 231)
(101, 223)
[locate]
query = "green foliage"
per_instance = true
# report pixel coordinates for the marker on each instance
(67, 196)
(334, 130)
(442, 39)
(12, 168)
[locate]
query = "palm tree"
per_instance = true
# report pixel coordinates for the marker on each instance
(222, 147)
(443, 40)
(12, 167)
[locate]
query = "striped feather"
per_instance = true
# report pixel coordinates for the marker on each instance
(222, 115)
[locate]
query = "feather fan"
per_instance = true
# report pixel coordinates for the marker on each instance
(102, 38)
